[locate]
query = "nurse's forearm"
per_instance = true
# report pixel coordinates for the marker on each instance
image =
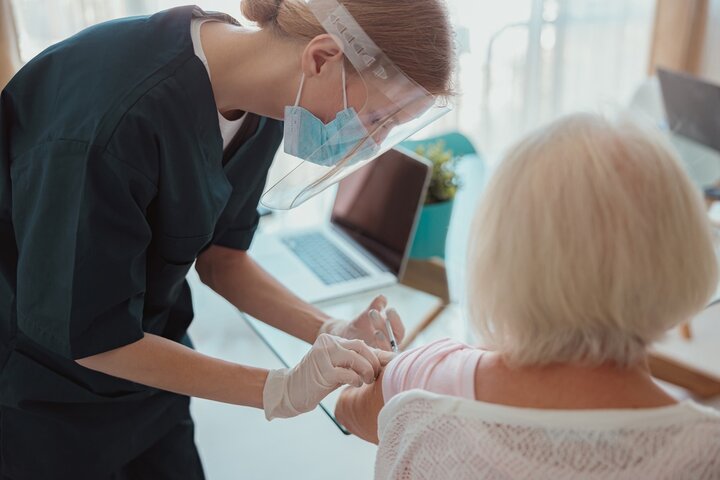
(161, 363)
(239, 279)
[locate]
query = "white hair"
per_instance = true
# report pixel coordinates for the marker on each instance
(589, 243)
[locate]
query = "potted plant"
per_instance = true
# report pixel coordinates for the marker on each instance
(434, 221)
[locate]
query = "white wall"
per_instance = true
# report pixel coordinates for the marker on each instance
(711, 54)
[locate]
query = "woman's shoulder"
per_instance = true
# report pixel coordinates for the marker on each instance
(423, 423)
(445, 366)
(685, 416)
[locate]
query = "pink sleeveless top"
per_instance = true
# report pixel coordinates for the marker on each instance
(446, 367)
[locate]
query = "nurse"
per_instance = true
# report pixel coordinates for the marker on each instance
(142, 145)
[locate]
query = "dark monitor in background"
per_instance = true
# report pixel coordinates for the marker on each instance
(692, 107)
(378, 206)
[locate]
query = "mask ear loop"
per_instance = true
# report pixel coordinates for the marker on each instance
(302, 82)
(344, 85)
(344, 88)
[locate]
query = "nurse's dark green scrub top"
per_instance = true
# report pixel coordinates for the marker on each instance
(112, 181)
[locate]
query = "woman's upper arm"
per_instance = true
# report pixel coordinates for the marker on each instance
(433, 367)
(358, 409)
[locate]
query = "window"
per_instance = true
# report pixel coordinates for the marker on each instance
(42, 23)
(528, 61)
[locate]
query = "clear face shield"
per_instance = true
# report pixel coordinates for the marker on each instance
(395, 108)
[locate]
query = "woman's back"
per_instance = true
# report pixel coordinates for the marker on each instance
(429, 436)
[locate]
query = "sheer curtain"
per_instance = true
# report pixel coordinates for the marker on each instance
(528, 61)
(9, 50)
(42, 23)
(522, 62)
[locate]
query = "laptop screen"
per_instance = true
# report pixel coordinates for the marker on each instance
(692, 107)
(378, 205)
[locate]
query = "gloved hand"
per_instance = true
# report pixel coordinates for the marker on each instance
(330, 363)
(371, 330)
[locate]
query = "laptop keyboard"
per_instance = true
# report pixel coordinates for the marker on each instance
(324, 258)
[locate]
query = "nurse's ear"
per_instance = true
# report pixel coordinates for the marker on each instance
(320, 56)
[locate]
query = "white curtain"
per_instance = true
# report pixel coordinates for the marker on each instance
(528, 61)
(43, 23)
(9, 50)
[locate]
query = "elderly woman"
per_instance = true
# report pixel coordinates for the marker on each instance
(590, 243)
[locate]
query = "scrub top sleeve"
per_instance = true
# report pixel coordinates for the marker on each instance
(82, 237)
(241, 232)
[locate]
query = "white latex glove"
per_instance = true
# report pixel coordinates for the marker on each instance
(330, 363)
(367, 327)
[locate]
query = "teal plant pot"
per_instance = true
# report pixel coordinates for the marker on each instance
(432, 229)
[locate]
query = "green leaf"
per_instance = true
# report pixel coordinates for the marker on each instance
(444, 182)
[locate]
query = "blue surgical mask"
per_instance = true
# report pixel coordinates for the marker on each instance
(307, 137)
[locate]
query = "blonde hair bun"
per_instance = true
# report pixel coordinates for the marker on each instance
(261, 12)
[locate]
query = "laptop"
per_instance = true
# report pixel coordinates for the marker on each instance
(692, 107)
(364, 244)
